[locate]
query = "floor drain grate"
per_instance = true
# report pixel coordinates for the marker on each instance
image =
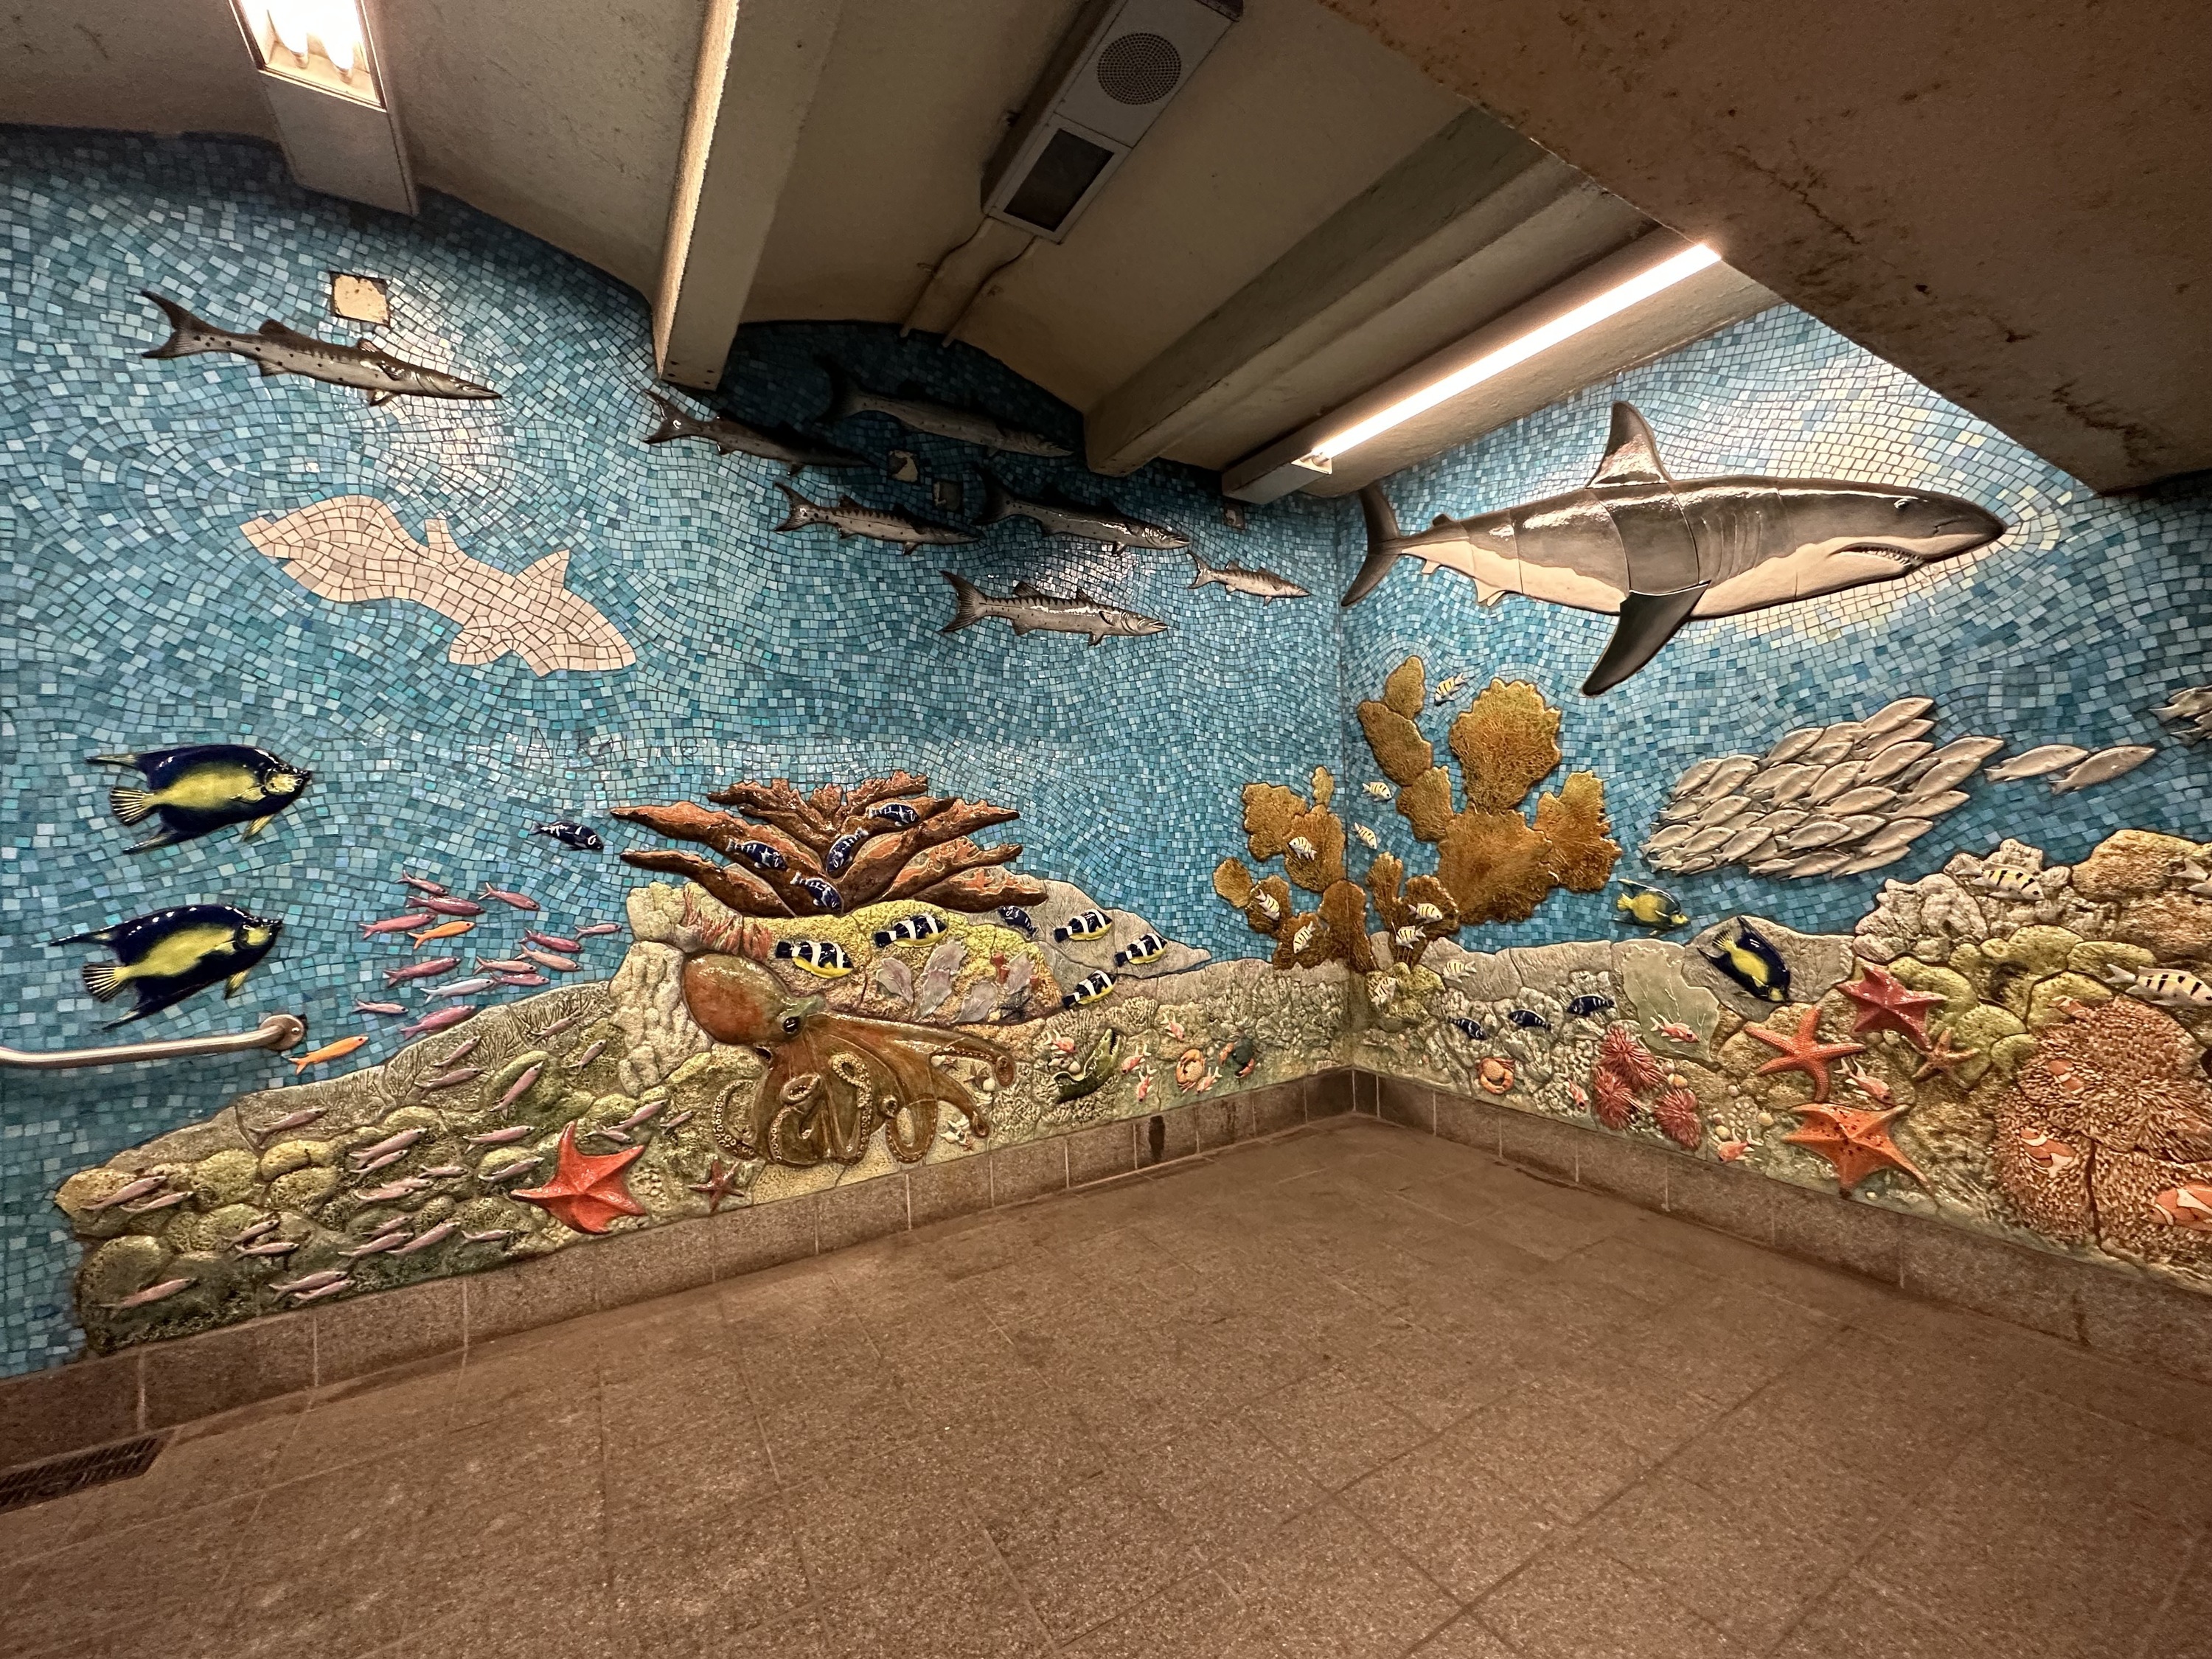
(59, 1476)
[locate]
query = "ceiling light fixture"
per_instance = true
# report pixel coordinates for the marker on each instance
(321, 76)
(1611, 303)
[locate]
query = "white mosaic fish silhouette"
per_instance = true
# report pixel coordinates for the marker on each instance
(351, 549)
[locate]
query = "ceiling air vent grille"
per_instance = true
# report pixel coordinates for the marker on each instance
(1104, 88)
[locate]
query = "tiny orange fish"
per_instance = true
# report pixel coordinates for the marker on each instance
(2184, 1206)
(1145, 1085)
(1732, 1149)
(1065, 1044)
(1133, 1062)
(1869, 1085)
(1674, 1031)
(443, 930)
(338, 1050)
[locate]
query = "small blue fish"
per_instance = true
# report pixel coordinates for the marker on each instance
(761, 855)
(907, 929)
(896, 811)
(1474, 1029)
(825, 897)
(1587, 1007)
(1528, 1020)
(1018, 918)
(841, 850)
(569, 833)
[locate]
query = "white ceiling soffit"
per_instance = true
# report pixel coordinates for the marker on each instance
(1295, 112)
(1692, 307)
(1472, 223)
(138, 66)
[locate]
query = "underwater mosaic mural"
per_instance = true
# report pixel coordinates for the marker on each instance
(642, 860)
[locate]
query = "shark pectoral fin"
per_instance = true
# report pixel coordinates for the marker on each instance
(235, 983)
(480, 644)
(376, 398)
(551, 571)
(1632, 453)
(269, 369)
(1485, 594)
(1647, 622)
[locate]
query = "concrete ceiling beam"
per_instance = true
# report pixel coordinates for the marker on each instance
(759, 64)
(1469, 225)
(2007, 205)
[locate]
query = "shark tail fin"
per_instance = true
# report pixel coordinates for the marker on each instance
(998, 503)
(188, 336)
(842, 394)
(674, 422)
(1203, 572)
(1383, 550)
(130, 805)
(802, 512)
(1647, 622)
(969, 610)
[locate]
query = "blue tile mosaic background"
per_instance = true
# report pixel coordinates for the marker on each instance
(2069, 630)
(138, 617)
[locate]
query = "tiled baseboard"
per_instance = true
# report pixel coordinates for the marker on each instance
(90, 1402)
(2122, 1316)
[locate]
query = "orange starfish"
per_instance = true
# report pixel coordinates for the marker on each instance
(1804, 1052)
(586, 1191)
(1886, 1003)
(722, 1179)
(1944, 1057)
(1857, 1143)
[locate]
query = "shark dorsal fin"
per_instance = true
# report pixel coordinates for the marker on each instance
(846, 504)
(273, 330)
(1440, 521)
(1632, 453)
(551, 571)
(1027, 591)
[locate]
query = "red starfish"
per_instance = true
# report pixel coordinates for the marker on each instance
(1804, 1052)
(722, 1179)
(1944, 1057)
(1887, 1003)
(1857, 1143)
(586, 1191)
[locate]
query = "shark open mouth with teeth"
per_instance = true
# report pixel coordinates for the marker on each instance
(1656, 552)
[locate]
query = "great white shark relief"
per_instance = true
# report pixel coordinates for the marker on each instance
(1636, 544)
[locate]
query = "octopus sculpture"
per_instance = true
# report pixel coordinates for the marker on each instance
(831, 1078)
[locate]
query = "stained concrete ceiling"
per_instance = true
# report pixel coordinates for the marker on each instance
(2013, 203)
(1321, 209)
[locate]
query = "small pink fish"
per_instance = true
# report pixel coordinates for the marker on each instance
(310, 1282)
(645, 1114)
(404, 1188)
(506, 1172)
(1579, 1095)
(1175, 1031)
(167, 1287)
(1133, 1062)
(1065, 1044)
(612, 1133)
(1674, 1031)
(521, 1086)
(331, 1289)
(458, 1053)
(451, 1079)
(506, 1137)
(464, 987)
(523, 982)
(376, 1164)
(558, 964)
(392, 1143)
(519, 900)
(377, 1246)
(587, 1057)
(1144, 1086)
(598, 930)
(503, 964)
(274, 1246)
(438, 1019)
(422, 885)
(423, 1241)
(386, 1008)
(428, 968)
(679, 1120)
(444, 1171)
(1732, 1149)
(166, 1201)
(1874, 1088)
(454, 907)
(128, 1190)
(561, 1025)
(406, 924)
(298, 1120)
(567, 947)
(493, 1236)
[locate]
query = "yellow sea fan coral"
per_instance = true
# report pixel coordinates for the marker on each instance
(1574, 823)
(1407, 688)
(1233, 882)
(1396, 743)
(1309, 840)
(1425, 804)
(1496, 866)
(1343, 908)
(1506, 742)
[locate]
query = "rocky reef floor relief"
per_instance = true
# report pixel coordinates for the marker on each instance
(612, 1105)
(2009, 1045)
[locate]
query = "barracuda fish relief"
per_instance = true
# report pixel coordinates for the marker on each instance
(276, 349)
(1030, 609)
(1636, 543)
(915, 410)
(1109, 527)
(731, 436)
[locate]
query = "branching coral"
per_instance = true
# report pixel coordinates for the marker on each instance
(1493, 864)
(838, 847)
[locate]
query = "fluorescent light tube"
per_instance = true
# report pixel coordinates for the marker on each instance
(1589, 314)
